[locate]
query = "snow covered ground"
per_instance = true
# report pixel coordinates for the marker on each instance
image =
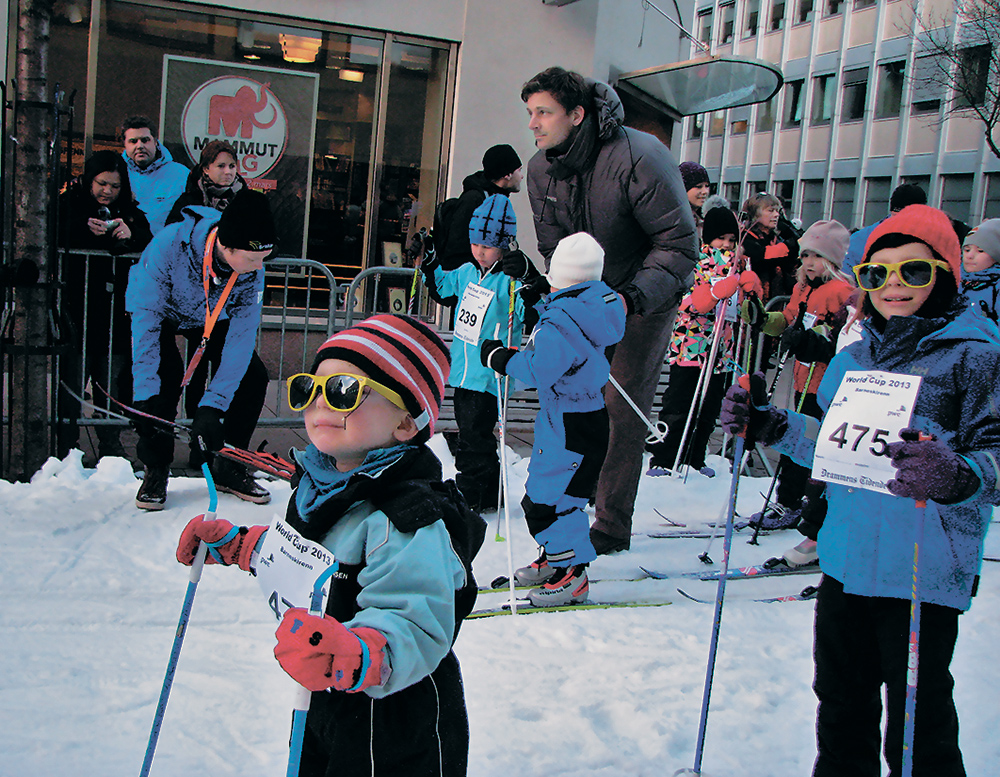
(92, 594)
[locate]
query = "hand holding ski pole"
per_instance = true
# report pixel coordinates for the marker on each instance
(746, 410)
(926, 468)
(227, 544)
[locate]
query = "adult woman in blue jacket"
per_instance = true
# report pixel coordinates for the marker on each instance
(917, 331)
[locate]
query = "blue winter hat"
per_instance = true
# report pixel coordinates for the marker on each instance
(493, 223)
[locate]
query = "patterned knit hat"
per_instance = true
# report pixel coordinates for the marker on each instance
(692, 174)
(925, 225)
(401, 353)
(493, 223)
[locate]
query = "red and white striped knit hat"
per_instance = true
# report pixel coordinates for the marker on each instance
(401, 353)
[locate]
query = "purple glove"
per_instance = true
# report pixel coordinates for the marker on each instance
(746, 410)
(929, 469)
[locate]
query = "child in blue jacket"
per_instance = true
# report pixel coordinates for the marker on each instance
(917, 333)
(565, 360)
(484, 311)
(368, 501)
(980, 269)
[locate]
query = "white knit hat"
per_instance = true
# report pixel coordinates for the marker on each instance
(577, 258)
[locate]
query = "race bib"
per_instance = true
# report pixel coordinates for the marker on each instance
(469, 318)
(289, 566)
(867, 413)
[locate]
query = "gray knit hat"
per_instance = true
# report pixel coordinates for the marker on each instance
(986, 237)
(829, 239)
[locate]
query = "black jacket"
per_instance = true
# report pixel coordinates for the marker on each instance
(475, 189)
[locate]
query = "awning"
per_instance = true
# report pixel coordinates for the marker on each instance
(708, 84)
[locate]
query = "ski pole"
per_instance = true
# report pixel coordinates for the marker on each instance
(913, 650)
(303, 696)
(195, 576)
(649, 424)
(504, 486)
(420, 236)
(738, 453)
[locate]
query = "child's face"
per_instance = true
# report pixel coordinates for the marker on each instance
(486, 256)
(768, 217)
(895, 298)
(812, 264)
(724, 242)
(975, 259)
(348, 437)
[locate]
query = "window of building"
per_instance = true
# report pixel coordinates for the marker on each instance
(717, 124)
(765, 117)
(833, 7)
(786, 192)
(859, 4)
(811, 209)
(752, 18)
(792, 117)
(705, 26)
(805, 13)
(855, 94)
(842, 206)
(991, 208)
(822, 100)
(756, 187)
(956, 195)
(738, 127)
(777, 16)
(923, 181)
(971, 76)
(889, 97)
(695, 126)
(877, 192)
(727, 16)
(732, 191)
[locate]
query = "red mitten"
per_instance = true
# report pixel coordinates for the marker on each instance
(320, 653)
(750, 283)
(776, 251)
(227, 544)
(726, 287)
(701, 299)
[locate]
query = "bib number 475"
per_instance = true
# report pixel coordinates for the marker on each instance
(879, 438)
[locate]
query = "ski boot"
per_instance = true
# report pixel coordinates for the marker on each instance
(569, 585)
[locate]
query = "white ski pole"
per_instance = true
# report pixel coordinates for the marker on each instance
(649, 424)
(505, 486)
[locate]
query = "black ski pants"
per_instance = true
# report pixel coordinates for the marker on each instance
(476, 457)
(677, 400)
(861, 644)
(244, 410)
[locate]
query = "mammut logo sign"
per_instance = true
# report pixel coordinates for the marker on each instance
(242, 111)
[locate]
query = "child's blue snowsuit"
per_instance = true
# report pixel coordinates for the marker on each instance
(982, 290)
(564, 358)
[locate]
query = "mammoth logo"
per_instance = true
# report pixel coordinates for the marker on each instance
(242, 111)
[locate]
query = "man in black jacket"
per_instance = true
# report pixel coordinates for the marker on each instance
(501, 174)
(592, 174)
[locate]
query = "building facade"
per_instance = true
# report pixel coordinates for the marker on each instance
(859, 113)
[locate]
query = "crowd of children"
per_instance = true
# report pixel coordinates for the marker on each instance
(369, 491)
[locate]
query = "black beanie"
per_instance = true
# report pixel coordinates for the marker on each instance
(719, 222)
(499, 161)
(906, 194)
(246, 223)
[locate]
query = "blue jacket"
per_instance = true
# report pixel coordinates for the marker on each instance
(167, 284)
(158, 186)
(467, 370)
(856, 249)
(867, 539)
(982, 290)
(564, 357)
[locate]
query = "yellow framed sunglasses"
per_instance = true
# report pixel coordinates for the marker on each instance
(342, 391)
(915, 273)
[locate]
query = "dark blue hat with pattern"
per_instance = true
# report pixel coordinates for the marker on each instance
(493, 223)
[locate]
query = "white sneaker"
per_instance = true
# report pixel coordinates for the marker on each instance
(568, 586)
(802, 554)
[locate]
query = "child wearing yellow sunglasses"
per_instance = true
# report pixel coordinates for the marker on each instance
(928, 369)
(369, 498)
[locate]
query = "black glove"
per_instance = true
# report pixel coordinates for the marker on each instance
(495, 355)
(534, 290)
(207, 426)
(792, 338)
(751, 412)
(154, 406)
(814, 345)
(517, 265)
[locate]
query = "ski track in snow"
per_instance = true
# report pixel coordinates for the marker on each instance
(93, 595)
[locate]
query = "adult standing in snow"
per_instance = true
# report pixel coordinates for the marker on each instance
(156, 179)
(202, 279)
(592, 174)
(502, 173)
